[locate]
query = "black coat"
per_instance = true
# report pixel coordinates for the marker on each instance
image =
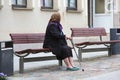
(54, 39)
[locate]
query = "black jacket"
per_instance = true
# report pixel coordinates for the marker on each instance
(54, 38)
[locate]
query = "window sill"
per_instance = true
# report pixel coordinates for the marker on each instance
(74, 11)
(28, 9)
(50, 10)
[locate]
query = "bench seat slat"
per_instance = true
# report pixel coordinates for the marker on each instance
(97, 42)
(33, 51)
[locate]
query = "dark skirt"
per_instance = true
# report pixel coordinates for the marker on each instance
(63, 52)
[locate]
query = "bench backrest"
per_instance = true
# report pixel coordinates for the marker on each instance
(21, 38)
(86, 32)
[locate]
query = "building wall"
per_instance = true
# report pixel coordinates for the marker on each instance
(35, 20)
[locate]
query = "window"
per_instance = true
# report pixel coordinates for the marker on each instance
(74, 6)
(19, 3)
(71, 4)
(47, 4)
(22, 4)
(99, 6)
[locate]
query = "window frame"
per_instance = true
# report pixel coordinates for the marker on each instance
(45, 7)
(16, 5)
(71, 8)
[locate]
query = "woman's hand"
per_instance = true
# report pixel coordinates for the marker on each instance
(68, 38)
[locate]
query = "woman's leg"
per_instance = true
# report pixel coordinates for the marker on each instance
(67, 62)
(71, 61)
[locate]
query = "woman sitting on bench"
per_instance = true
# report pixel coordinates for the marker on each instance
(56, 41)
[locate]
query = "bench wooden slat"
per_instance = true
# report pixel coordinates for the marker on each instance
(19, 38)
(97, 42)
(33, 50)
(84, 32)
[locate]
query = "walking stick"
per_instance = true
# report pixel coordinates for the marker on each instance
(76, 54)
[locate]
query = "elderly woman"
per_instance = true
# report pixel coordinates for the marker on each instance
(56, 41)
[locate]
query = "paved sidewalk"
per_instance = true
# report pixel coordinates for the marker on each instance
(99, 67)
(109, 76)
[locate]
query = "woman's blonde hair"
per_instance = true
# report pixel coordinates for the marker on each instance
(55, 17)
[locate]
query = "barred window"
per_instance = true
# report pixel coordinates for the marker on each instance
(19, 3)
(47, 4)
(71, 4)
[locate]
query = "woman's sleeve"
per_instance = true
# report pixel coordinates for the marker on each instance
(55, 32)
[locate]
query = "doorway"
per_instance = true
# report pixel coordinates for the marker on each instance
(100, 13)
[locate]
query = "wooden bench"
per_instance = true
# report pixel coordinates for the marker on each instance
(27, 39)
(90, 32)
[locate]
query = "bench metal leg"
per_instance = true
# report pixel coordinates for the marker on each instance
(21, 65)
(109, 51)
(60, 62)
(80, 54)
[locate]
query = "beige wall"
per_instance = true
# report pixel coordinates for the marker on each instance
(25, 21)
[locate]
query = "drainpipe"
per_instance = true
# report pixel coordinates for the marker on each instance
(90, 13)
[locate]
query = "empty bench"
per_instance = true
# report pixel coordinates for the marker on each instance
(26, 40)
(84, 46)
